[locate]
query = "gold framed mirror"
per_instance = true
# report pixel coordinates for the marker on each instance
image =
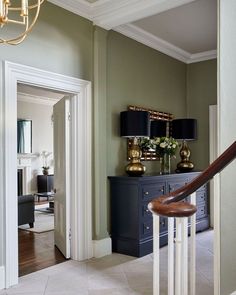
(150, 155)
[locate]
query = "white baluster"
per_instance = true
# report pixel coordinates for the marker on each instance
(184, 255)
(193, 248)
(181, 257)
(171, 256)
(178, 268)
(156, 257)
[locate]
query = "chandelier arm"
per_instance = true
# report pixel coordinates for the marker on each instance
(21, 37)
(16, 42)
(18, 39)
(16, 22)
(29, 7)
(28, 28)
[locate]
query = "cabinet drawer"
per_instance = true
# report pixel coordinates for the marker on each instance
(152, 191)
(163, 224)
(145, 212)
(202, 188)
(201, 197)
(201, 211)
(173, 186)
(147, 228)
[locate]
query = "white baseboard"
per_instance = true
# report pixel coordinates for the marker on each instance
(101, 247)
(2, 277)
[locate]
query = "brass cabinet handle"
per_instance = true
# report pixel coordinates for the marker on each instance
(147, 227)
(146, 193)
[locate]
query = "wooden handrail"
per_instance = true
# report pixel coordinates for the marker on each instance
(168, 205)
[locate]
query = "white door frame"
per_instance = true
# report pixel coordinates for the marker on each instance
(81, 182)
(212, 153)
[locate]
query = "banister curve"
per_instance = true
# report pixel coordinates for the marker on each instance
(168, 205)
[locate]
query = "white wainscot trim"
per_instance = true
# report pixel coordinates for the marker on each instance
(101, 247)
(2, 277)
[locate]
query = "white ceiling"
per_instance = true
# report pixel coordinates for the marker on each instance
(191, 27)
(183, 29)
(33, 94)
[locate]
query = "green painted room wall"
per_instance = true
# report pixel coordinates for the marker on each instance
(60, 42)
(65, 43)
(139, 75)
(201, 92)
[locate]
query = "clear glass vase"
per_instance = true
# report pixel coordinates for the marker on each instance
(165, 164)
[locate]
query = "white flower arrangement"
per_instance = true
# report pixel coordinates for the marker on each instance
(165, 145)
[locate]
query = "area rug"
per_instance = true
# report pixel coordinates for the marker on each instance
(44, 222)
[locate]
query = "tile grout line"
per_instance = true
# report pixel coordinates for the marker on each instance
(44, 293)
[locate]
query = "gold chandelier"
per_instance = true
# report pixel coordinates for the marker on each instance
(18, 15)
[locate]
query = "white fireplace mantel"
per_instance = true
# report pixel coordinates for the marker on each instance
(24, 163)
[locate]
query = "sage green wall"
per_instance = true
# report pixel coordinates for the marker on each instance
(60, 42)
(65, 43)
(139, 75)
(201, 92)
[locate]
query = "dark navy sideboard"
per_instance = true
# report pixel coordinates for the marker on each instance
(131, 221)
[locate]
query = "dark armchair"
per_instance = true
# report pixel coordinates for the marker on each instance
(26, 210)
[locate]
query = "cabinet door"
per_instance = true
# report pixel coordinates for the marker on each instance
(153, 190)
(45, 183)
(175, 184)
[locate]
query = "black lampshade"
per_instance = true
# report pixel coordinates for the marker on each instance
(184, 129)
(158, 128)
(134, 124)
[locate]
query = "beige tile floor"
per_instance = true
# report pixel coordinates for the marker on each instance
(115, 274)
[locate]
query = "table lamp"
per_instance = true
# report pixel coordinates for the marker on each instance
(185, 130)
(133, 125)
(158, 128)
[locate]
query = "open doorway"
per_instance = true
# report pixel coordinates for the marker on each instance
(40, 155)
(80, 164)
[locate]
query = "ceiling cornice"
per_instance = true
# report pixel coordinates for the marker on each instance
(80, 7)
(117, 14)
(206, 55)
(24, 97)
(152, 41)
(112, 13)
(163, 46)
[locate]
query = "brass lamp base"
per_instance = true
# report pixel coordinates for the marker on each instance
(135, 167)
(185, 165)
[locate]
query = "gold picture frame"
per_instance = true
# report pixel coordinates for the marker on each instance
(154, 115)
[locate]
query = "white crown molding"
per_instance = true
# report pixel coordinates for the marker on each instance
(206, 55)
(111, 13)
(117, 14)
(24, 97)
(163, 46)
(114, 13)
(152, 41)
(79, 7)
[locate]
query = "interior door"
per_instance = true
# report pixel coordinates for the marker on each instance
(61, 130)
